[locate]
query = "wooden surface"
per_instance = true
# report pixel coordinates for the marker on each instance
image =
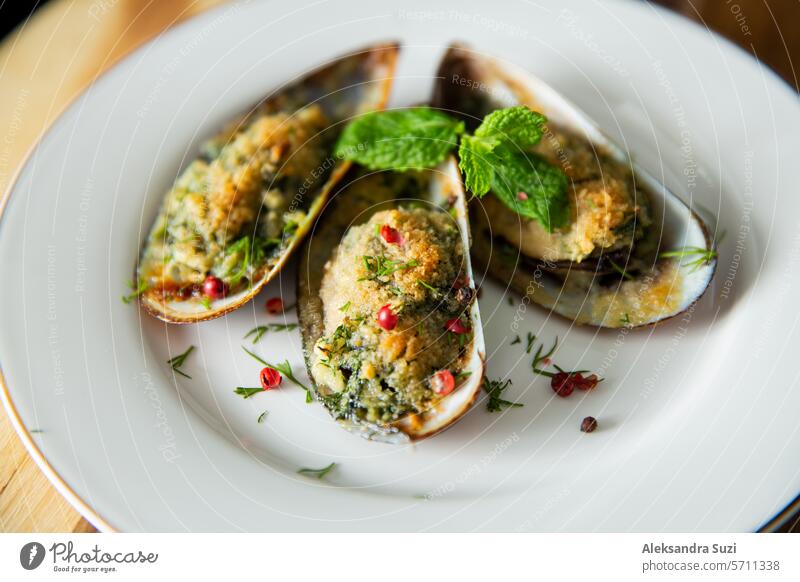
(68, 43)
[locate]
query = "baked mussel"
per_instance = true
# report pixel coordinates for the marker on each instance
(387, 305)
(234, 216)
(628, 252)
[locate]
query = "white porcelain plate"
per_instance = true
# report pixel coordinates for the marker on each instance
(698, 418)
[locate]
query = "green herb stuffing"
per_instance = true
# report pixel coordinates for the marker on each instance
(369, 371)
(380, 267)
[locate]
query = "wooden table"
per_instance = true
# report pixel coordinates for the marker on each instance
(47, 62)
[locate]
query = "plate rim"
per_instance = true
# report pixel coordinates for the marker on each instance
(769, 525)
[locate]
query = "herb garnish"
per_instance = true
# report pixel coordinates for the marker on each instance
(517, 340)
(494, 388)
(430, 288)
(345, 307)
(700, 255)
(285, 368)
(176, 362)
(540, 358)
(530, 339)
(399, 139)
(261, 417)
(259, 331)
(620, 270)
(382, 266)
(136, 290)
(240, 247)
(494, 158)
(247, 392)
(544, 358)
(318, 473)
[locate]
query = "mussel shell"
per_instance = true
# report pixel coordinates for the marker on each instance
(471, 85)
(344, 210)
(356, 83)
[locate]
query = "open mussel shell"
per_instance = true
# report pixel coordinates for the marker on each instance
(346, 87)
(644, 286)
(351, 207)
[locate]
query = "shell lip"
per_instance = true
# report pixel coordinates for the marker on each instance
(489, 80)
(380, 64)
(444, 412)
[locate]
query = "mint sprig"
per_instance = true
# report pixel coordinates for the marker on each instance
(520, 126)
(476, 162)
(399, 139)
(531, 187)
(495, 157)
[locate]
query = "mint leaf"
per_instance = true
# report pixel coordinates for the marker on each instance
(531, 187)
(475, 163)
(519, 126)
(495, 159)
(400, 139)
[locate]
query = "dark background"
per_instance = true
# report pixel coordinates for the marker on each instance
(768, 29)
